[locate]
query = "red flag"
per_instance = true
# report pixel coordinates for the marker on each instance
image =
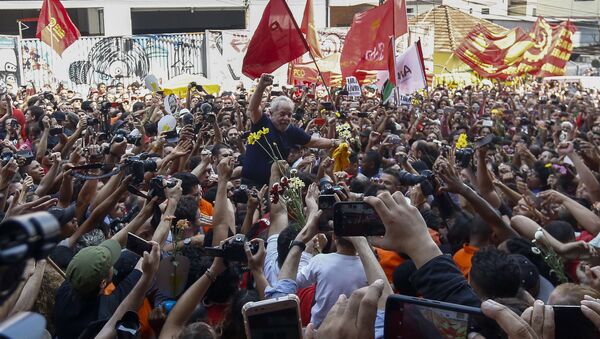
(55, 28)
(392, 62)
(276, 41)
(366, 44)
(308, 28)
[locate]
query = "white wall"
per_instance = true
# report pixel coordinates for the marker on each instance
(257, 7)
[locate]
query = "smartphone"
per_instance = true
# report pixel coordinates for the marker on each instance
(487, 123)
(137, 245)
(319, 121)
(569, 322)
(56, 131)
(273, 318)
(363, 114)
(326, 202)
(417, 318)
(356, 219)
(327, 106)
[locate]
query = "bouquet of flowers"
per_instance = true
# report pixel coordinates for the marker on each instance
(550, 256)
(289, 188)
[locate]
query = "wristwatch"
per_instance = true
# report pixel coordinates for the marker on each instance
(297, 243)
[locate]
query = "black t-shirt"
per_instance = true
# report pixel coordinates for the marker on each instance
(74, 312)
(257, 163)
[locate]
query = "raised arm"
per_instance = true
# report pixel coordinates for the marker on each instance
(224, 215)
(173, 195)
(484, 180)
(454, 184)
(254, 112)
(278, 212)
(149, 265)
(186, 305)
(373, 269)
(585, 218)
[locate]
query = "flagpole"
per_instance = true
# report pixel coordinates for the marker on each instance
(310, 53)
(51, 39)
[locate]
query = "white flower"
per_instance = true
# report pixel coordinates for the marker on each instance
(296, 183)
(536, 250)
(539, 235)
(293, 172)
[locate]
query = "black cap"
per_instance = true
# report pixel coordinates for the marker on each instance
(59, 116)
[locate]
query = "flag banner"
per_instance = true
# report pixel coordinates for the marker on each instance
(367, 42)
(308, 28)
(387, 91)
(276, 41)
(55, 27)
(543, 52)
(409, 71)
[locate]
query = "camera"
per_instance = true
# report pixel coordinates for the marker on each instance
(327, 187)
(48, 96)
(92, 121)
(137, 166)
(5, 157)
(158, 185)
(121, 135)
(118, 223)
(232, 250)
(464, 156)
(240, 195)
(194, 85)
(27, 236)
(207, 109)
(105, 106)
(425, 179)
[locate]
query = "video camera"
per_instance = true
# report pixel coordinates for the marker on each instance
(138, 165)
(121, 135)
(464, 156)
(232, 250)
(23, 237)
(240, 195)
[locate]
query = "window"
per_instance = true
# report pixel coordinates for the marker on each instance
(410, 10)
(534, 12)
(485, 10)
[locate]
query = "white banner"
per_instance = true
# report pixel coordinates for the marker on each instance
(410, 75)
(353, 87)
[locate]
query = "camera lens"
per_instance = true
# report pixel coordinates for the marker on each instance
(28, 236)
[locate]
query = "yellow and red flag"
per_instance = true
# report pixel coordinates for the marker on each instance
(545, 51)
(55, 28)
(308, 28)
(367, 42)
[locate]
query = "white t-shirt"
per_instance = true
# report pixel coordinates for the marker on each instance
(271, 268)
(334, 274)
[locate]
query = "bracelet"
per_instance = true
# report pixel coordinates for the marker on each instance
(210, 275)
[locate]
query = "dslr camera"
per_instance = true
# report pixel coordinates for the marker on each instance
(158, 185)
(138, 165)
(426, 179)
(232, 250)
(464, 157)
(5, 157)
(327, 188)
(240, 194)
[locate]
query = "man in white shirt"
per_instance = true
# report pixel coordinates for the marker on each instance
(335, 274)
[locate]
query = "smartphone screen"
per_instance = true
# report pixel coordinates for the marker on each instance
(271, 321)
(137, 245)
(409, 317)
(569, 322)
(356, 219)
(326, 202)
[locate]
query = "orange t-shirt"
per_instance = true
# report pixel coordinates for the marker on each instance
(389, 260)
(143, 312)
(463, 257)
(206, 214)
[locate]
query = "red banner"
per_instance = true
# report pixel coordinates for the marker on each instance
(543, 52)
(55, 28)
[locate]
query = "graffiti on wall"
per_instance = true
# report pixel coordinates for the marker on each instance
(114, 60)
(9, 67)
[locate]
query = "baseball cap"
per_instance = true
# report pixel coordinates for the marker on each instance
(59, 116)
(63, 215)
(92, 264)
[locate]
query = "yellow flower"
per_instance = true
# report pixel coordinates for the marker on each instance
(265, 130)
(462, 141)
(251, 139)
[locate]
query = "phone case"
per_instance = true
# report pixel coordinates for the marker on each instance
(271, 305)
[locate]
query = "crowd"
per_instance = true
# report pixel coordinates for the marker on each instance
(489, 195)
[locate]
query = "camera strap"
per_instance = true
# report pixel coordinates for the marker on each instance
(76, 174)
(133, 190)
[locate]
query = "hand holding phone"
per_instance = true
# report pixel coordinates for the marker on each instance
(356, 219)
(137, 245)
(273, 318)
